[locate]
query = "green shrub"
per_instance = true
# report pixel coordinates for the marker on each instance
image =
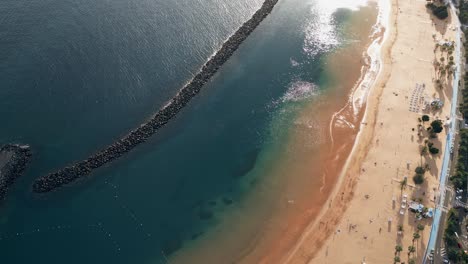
(441, 12)
(425, 118)
(419, 170)
(437, 126)
(433, 150)
(418, 178)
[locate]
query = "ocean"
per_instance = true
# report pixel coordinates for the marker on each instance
(77, 75)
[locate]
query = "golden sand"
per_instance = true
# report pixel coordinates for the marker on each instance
(355, 228)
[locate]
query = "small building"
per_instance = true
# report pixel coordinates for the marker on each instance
(429, 213)
(416, 207)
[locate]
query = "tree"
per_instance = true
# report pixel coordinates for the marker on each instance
(411, 261)
(411, 249)
(423, 150)
(418, 179)
(396, 259)
(436, 126)
(452, 254)
(398, 249)
(403, 183)
(426, 167)
(425, 118)
(419, 170)
(434, 151)
(440, 11)
(416, 236)
(420, 227)
(400, 228)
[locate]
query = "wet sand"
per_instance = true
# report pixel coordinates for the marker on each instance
(275, 212)
(362, 222)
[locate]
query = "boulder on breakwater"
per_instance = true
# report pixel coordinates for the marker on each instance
(139, 135)
(13, 161)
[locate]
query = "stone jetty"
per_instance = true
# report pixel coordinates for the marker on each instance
(13, 161)
(139, 135)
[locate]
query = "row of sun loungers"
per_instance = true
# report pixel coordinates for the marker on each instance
(417, 98)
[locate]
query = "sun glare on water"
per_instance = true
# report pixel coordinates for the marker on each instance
(321, 31)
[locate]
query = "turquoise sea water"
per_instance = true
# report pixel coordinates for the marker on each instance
(75, 75)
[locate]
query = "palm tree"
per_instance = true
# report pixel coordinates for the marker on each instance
(398, 249)
(400, 230)
(416, 236)
(403, 183)
(426, 167)
(411, 249)
(423, 152)
(411, 261)
(420, 227)
(396, 259)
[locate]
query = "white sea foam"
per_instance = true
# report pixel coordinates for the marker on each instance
(294, 63)
(370, 71)
(373, 57)
(299, 90)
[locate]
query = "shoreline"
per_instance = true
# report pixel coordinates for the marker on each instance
(366, 71)
(295, 205)
(123, 145)
(363, 224)
(360, 147)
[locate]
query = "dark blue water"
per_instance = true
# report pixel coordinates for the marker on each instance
(75, 75)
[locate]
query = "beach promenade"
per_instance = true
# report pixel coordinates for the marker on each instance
(450, 138)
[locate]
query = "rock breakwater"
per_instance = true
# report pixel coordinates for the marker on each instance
(139, 135)
(13, 161)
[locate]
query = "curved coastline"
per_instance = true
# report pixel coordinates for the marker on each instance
(314, 236)
(139, 135)
(15, 159)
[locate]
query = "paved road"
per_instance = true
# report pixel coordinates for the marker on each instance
(436, 235)
(439, 255)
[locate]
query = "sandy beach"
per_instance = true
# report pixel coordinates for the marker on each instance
(365, 219)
